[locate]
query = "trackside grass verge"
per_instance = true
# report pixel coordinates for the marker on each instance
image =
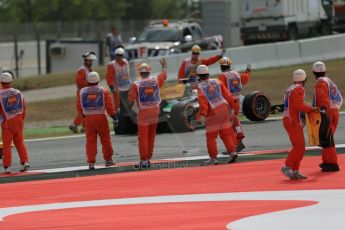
(51, 80)
(274, 81)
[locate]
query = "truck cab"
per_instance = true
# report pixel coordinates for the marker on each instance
(277, 20)
(339, 12)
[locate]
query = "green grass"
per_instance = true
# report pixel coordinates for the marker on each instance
(42, 132)
(51, 110)
(274, 81)
(51, 80)
(31, 133)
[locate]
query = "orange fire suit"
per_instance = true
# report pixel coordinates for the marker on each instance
(13, 111)
(118, 79)
(93, 103)
(215, 102)
(234, 82)
(188, 65)
(294, 106)
(81, 82)
(322, 97)
(148, 113)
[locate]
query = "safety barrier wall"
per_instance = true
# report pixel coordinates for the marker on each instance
(324, 48)
(260, 56)
(72, 58)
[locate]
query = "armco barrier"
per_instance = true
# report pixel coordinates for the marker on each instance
(322, 48)
(260, 56)
(288, 53)
(332, 48)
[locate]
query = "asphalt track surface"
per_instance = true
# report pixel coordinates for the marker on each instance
(70, 151)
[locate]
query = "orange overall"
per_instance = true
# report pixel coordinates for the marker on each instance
(234, 82)
(118, 78)
(215, 102)
(148, 114)
(81, 82)
(187, 66)
(294, 106)
(13, 113)
(322, 99)
(93, 103)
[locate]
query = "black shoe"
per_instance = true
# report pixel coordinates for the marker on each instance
(24, 167)
(143, 165)
(326, 167)
(109, 163)
(73, 128)
(7, 170)
(91, 166)
(240, 147)
(232, 158)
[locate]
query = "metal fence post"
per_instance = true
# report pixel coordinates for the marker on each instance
(16, 58)
(38, 53)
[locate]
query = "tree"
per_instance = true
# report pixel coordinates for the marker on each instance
(60, 10)
(81, 10)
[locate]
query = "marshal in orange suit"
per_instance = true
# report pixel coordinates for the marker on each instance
(81, 82)
(294, 122)
(118, 78)
(93, 104)
(188, 67)
(215, 103)
(145, 92)
(234, 82)
(328, 98)
(13, 114)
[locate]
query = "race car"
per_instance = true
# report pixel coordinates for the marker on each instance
(180, 106)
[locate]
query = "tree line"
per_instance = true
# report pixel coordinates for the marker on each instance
(31, 11)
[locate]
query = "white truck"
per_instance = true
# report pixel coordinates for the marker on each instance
(278, 20)
(162, 38)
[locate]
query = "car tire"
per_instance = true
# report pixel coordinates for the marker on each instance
(256, 106)
(126, 125)
(182, 117)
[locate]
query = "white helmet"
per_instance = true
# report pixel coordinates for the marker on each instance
(90, 56)
(6, 77)
(93, 77)
(299, 75)
(144, 68)
(202, 69)
(120, 51)
(196, 49)
(319, 67)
